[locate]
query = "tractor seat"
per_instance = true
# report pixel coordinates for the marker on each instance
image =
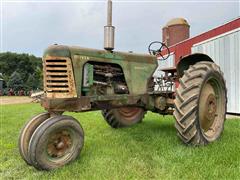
(169, 70)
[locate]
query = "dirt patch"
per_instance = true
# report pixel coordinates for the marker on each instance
(14, 100)
(233, 116)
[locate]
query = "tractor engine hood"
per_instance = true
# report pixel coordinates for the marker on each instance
(70, 51)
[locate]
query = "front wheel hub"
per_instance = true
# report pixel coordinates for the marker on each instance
(59, 143)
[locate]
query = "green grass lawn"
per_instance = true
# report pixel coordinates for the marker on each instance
(147, 150)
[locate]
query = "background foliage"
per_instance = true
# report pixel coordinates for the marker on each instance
(21, 71)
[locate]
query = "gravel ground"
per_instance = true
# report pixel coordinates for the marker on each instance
(14, 100)
(233, 116)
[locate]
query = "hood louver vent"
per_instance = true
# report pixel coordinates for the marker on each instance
(58, 81)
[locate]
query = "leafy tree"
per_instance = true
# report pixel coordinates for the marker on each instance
(24, 64)
(33, 82)
(30, 84)
(15, 81)
(39, 77)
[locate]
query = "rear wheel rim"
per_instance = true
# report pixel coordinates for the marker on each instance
(130, 113)
(211, 108)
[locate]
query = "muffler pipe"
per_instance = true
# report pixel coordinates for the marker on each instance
(109, 29)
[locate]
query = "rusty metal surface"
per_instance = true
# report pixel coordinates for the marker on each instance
(83, 104)
(137, 68)
(91, 103)
(63, 80)
(161, 103)
(136, 73)
(58, 77)
(70, 51)
(66, 104)
(124, 116)
(208, 106)
(59, 144)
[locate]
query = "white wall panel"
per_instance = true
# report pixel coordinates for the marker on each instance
(224, 50)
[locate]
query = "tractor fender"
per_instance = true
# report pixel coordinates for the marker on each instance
(191, 59)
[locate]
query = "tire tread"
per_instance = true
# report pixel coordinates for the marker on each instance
(186, 102)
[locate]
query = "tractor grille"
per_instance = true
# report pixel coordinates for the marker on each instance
(58, 78)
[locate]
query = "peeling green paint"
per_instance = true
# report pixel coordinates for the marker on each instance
(137, 68)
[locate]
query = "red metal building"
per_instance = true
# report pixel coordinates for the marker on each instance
(222, 44)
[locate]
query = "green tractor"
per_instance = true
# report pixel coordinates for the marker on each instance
(122, 86)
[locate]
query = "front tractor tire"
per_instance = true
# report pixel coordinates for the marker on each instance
(56, 142)
(124, 116)
(200, 104)
(26, 134)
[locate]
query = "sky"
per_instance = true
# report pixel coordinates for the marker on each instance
(31, 26)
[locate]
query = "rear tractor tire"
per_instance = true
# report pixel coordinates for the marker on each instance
(200, 104)
(56, 142)
(124, 116)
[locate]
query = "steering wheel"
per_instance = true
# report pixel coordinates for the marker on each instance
(155, 48)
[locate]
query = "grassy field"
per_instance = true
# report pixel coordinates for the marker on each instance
(149, 150)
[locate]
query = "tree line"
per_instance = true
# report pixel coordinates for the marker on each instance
(21, 72)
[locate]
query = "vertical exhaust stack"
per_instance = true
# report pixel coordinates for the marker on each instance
(109, 29)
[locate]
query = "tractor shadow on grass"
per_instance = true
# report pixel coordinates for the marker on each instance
(153, 134)
(150, 131)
